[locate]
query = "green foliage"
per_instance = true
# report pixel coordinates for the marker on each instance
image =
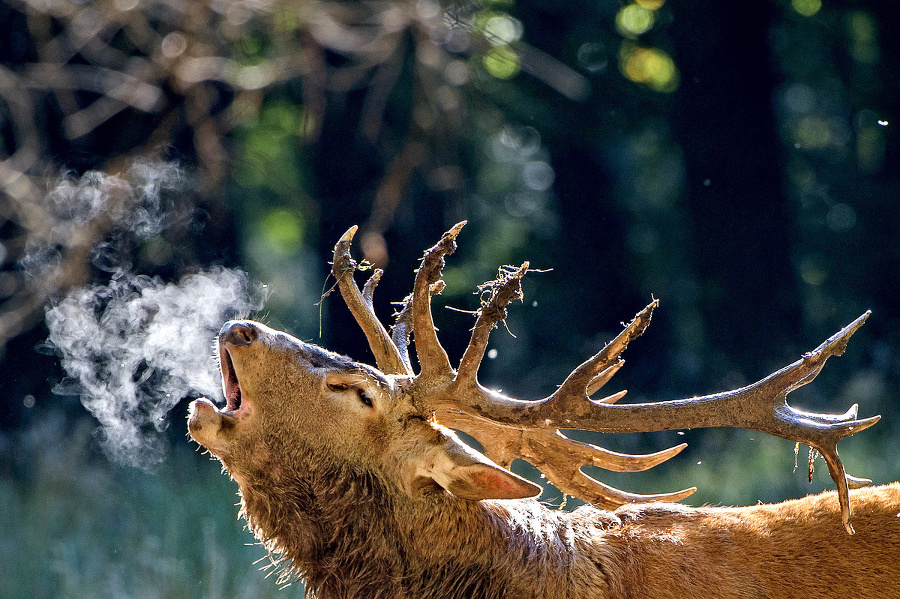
(283, 230)
(268, 149)
(252, 49)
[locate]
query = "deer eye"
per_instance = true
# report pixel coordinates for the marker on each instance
(364, 397)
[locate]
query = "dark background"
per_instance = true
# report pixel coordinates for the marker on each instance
(738, 161)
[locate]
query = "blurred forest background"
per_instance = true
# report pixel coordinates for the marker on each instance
(738, 161)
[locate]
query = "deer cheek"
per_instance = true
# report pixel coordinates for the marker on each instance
(377, 436)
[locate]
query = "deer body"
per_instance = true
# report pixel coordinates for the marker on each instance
(786, 550)
(349, 478)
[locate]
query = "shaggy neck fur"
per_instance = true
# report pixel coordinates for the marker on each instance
(346, 535)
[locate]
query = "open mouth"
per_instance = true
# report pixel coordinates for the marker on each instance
(230, 383)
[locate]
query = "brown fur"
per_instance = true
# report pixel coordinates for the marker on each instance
(353, 540)
(348, 496)
(792, 549)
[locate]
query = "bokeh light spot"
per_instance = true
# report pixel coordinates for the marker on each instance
(813, 133)
(173, 45)
(254, 77)
(651, 67)
(503, 29)
(282, 230)
(501, 62)
(524, 141)
(428, 9)
(633, 19)
(456, 72)
(592, 57)
(862, 27)
(538, 175)
(807, 8)
(813, 270)
(125, 5)
(799, 98)
(524, 204)
(863, 32)
(840, 218)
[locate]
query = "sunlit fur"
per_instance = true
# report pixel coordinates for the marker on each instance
(350, 534)
(320, 485)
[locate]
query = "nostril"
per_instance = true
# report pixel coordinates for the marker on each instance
(239, 333)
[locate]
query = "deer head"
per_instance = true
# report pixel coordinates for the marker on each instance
(396, 423)
(325, 405)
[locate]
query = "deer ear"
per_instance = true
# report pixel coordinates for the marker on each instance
(468, 474)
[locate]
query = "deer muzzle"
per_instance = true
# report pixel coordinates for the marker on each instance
(206, 421)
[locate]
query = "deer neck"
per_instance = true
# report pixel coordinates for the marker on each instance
(505, 549)
(347, 535)
(330, 526)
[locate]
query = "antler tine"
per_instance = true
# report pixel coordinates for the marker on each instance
(559, 410)
(402, 330)
(601, 379)
(613, 498)
(594, 372)
(387, 355)
(368, 291)
(503, 290)
(761, 406)
(433, 359)
(520, 428)
(560, 459)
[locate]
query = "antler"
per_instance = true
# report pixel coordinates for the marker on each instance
(387, 355)
(432, 358)
(510, 428)
(557, 456)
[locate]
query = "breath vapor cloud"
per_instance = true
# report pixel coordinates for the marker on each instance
(134, 347)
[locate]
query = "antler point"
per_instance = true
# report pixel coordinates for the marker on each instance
(348, 235)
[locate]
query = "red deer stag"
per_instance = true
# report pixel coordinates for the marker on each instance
(353, 479)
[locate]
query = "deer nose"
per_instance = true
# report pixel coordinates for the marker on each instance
(239, 333)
